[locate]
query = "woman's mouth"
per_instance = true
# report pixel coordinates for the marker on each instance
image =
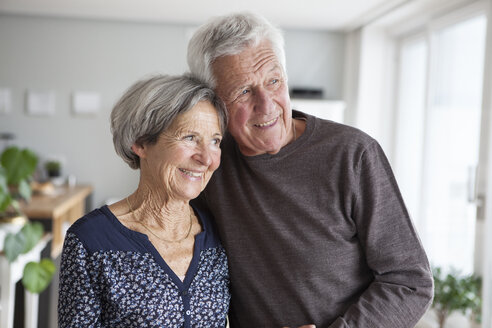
(192, 174)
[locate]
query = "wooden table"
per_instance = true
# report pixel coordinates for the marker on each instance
(66, 204)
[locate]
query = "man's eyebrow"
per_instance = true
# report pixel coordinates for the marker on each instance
(241, 87)
(234, 90)
(275, 67)
(231, 93)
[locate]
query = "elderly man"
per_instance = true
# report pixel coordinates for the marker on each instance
(308, 210)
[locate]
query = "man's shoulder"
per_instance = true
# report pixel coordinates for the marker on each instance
(338, 134)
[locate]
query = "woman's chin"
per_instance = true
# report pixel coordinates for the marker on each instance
(189, 194)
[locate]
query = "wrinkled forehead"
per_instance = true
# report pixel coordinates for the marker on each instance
(203, 117)
(253, 59)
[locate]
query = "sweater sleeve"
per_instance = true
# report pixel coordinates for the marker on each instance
(78, 303)
(402, 288)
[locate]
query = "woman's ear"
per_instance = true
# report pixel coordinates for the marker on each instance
(139, 149)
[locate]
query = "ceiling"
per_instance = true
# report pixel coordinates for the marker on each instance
(309, 14)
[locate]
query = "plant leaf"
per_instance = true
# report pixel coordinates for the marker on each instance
(3, 180)
(4, 191)
(25, 189)
(14, 245)
(37, 276)
(18, 164)
(15, 205)
(5, 201)
(455, 292)
(32, 232)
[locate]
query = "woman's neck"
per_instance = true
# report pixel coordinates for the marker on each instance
(154, 207)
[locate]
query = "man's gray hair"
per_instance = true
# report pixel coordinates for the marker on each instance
(150, 106)
(230, 35)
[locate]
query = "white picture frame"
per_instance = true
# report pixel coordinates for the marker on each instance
(40, 103)
(5, 101)
(86, 102)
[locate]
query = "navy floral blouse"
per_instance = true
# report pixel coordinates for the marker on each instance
(112, 276)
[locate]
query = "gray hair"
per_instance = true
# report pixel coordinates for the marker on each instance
(230, 35)
(150, 106)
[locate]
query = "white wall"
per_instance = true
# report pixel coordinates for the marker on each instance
(66, 55)
(316, 59)
(370, 73)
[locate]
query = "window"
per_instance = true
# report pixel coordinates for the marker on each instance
(437, 136)
(410, 121)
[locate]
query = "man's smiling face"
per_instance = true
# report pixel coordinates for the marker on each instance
(253, 86)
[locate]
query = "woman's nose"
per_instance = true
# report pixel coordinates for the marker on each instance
(203, 155)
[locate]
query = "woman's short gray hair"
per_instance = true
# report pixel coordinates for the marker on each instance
(230, 35)
(150, 106)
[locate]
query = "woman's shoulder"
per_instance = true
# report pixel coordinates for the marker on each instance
(98, 231)
(91, 222)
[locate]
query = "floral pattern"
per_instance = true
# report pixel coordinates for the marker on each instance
(116, 288)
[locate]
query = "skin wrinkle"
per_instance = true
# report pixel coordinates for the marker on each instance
(176, 136)
(260, 120)
(265, 99)
(228, 94)
(161, 200)
(164, 206)
(263, 58)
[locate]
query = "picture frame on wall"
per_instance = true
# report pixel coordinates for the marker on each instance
(40, 103)
(86, 103)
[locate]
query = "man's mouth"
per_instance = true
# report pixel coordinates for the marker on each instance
(268, 123)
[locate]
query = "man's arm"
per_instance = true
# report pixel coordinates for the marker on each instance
(402, 289)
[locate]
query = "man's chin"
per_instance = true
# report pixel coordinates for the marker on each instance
(260, 150)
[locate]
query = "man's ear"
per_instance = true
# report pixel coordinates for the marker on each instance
(139, 149)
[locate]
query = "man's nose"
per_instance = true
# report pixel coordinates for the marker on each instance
(263, 101)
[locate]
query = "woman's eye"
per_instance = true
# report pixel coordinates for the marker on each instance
(216, 141)
(274, 81)
(189, 138)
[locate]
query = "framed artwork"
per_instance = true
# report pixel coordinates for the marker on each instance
(86, 103)
(40, 103)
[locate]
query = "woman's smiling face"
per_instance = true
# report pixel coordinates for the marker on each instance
(184, 157)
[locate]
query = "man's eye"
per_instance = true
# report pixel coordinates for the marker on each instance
(189, 138)
(242, 95)
(274, 81)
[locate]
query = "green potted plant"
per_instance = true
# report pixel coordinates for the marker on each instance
(453, 292)
(53, 168)
(17, 166)
(20, 235)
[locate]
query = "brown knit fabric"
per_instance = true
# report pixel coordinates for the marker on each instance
(318, 233)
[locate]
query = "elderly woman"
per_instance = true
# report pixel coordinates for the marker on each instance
(151, 260)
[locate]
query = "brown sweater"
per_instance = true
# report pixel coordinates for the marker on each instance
(318, 234)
